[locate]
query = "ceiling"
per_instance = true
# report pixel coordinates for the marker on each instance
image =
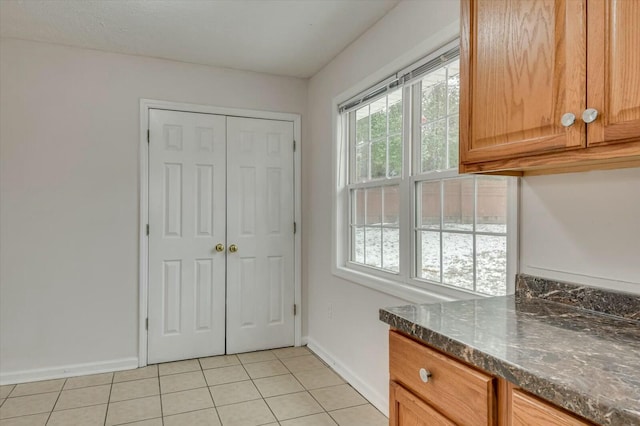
(285, 37)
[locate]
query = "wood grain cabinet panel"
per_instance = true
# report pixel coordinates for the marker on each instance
(613, 78)
(523, 69)
(530, 411)
(526, 63)
(409, 410)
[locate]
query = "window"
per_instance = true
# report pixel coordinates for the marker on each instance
(376, 170)
(410, 218)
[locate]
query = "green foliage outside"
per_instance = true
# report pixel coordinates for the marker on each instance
(379, 135)
(440, 124)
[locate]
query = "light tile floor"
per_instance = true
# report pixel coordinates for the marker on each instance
(288, 387)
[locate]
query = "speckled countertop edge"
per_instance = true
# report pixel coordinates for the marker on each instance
(554, 392)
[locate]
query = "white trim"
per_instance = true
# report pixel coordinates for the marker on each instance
(72, 370)
(381, 402)
(145, 106)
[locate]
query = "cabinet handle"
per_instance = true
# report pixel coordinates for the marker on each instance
(425, 375)
(568, 119)
(589, 115)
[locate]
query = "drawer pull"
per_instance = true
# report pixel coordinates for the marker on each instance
(425, 375)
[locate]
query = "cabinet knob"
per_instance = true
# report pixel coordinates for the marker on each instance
(589, 115)
(568, 119)
(233, 248)
(425, 375)
(219, 247)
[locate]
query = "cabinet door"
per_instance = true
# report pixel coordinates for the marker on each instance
(523, 65)
(529, 411)
(409, 410)
(614, 72)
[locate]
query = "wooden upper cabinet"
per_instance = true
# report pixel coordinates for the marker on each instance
(613, 77)
(523, 66)
(526, 63)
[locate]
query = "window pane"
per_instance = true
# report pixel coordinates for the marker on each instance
(357, 247)
(395, 115)
(492, 204)
(378, 119)
(357, 206)
(362, 125)
(457, 259)
(391, 205)
(491, 267)
(458, 204)
(362, 163)
(434, 97)
(434, 146)
(379, 159)
(373, 245)
(453, 141)
(395, 156)
(429, 214)
(391, 249)
(429, 261)
(374, 206)
(453, 84)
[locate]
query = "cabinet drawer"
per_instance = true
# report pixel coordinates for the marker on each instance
(461, 393)
(408, 409)
(527, 410)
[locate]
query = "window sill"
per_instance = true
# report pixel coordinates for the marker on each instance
(431, 293)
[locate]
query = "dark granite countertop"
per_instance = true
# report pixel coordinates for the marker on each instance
(544, 341)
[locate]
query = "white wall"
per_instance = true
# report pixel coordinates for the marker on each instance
(586, 224)
(69, 194)
(583, 228)
(354, 338)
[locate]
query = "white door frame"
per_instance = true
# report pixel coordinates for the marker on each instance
(143, 190)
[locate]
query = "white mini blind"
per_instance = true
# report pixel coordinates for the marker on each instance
(407, 75)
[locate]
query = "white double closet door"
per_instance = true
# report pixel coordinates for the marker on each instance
(217, 182)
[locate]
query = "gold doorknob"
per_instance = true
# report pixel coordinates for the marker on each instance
(233, 248)
(219, 247)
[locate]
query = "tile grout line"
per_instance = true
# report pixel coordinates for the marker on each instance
(55, 403)
(106, 412)
(305, 390)
(215, 407)
(160, 396)
(263, 400)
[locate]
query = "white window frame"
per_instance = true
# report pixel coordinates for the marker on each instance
(403, 284)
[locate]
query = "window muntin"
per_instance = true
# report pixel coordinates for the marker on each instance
(458, 235)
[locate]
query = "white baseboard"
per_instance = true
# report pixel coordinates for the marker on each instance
(304, 341)
(35, 375)
(381, 402)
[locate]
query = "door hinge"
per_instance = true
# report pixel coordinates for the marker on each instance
(148, 135)
(294, 146)
(146, 324)
(295, 227)
(147, 229)
(295, 310)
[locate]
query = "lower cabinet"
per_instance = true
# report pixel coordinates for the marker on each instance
(408, 409)
(529, 410)
(428, 387)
